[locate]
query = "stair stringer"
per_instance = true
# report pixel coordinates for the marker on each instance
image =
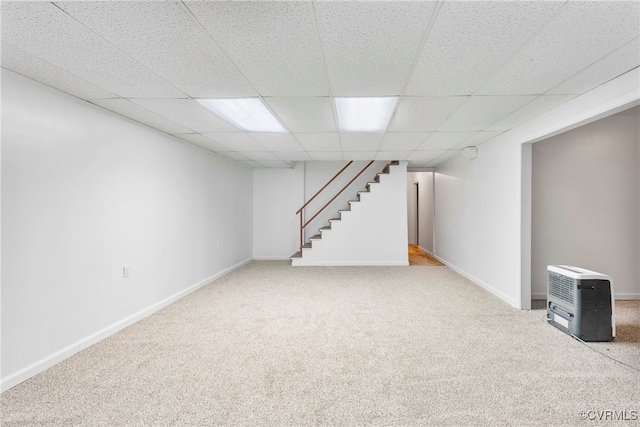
(372, 232)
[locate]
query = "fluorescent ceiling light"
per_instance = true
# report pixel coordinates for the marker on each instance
(248, 114)
(364, 114)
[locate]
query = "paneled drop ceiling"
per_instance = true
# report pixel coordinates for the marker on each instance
(464, 71)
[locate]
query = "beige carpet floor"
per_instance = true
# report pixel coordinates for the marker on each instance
(274, 345)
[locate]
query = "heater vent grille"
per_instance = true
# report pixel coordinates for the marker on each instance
(561, 287)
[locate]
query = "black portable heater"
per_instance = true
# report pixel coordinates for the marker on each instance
(580, 303)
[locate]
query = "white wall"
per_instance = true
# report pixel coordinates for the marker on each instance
(277, 195)
(412, 221)
(425, 212)
(586, 204)
(480, 222)
(372, 232)
(317, 174)
(85, 192)
(477, 217)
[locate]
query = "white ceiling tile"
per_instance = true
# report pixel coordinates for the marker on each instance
(478, 112)
(359, 155)
(447, 155)
(403, 141)
(133, 111)
(360, 141)
(370, 47)
(531, 110)
(236, 141)
(467, 43)
(189, 113)
(250, 163)
(277, 141)
(182, 52)
(581, 33)
(247, 164)
(413, 165)
(418, 114)
(46, 32)
(611, 66)
(234, 156)
(392, 155)
(326, 155)
(319, 141)
(304, 114)
(202, 141)
(273, 44)
(445, 140)
(425, 156)
(259, 155)
(29, 66)
(292, 156)
(274, 164)
(479, 138)
(131, 57)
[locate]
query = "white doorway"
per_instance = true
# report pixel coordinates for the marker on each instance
(420, 210)
(416, 215)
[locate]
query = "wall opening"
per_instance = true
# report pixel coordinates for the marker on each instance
(420, 208)
(585, 203)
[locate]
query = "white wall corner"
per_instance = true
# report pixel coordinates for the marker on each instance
(41, 365)
(481, 211)
(525, 228)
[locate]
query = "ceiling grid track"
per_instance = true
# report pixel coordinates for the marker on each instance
(316, 31)
(121, 51)
(463, 72)
(425, 37)
(196, 21)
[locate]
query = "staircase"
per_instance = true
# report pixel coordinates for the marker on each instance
(371, 231)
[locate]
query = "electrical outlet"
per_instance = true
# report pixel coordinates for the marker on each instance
(125, 271)
(218, 245)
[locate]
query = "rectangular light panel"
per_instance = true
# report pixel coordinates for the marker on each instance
(364, 114)
(248, 114)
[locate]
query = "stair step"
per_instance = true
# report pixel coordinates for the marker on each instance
(387, 166)
(376, 180)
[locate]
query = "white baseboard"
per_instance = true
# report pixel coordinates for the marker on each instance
(272, 258)
(35, 368)
(426, 251)
(301, 263)
(626, 296)
(506, 298)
